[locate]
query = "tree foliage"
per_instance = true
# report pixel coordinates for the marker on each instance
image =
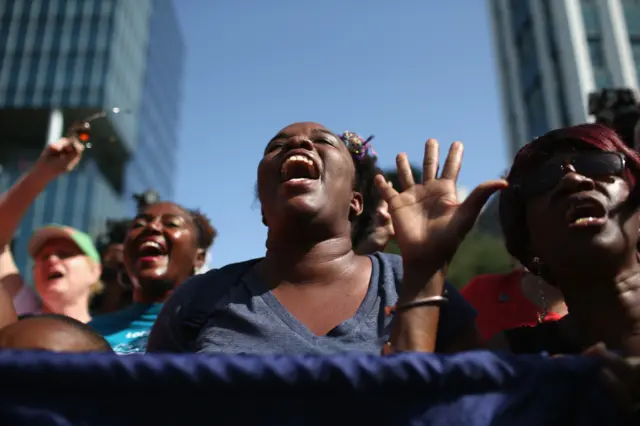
(478, 254)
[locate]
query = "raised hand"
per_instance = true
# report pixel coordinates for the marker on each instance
(429, 221)
(60, 157)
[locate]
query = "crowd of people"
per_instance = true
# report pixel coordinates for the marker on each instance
(569, 210)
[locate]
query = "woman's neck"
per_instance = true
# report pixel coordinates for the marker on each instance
(309, 263)
(78, 310)
(155, 291)
(607, 311)
(542, 294)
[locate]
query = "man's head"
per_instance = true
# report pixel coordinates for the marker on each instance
(52, 332)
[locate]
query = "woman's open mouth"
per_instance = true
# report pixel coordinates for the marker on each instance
(299, 169)
(152, 251)
(585, 213)
(54, 275)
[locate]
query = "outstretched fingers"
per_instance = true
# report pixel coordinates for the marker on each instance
(385, 188)
(405, 176)
(453, 163)
(430, 162)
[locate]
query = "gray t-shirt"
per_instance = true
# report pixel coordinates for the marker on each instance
(246, 317)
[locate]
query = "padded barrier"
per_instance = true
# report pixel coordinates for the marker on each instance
(471, 389)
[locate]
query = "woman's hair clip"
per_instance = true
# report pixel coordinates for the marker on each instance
(357, 145)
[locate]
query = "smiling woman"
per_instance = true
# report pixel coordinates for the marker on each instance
(162, 249)
(311, 293)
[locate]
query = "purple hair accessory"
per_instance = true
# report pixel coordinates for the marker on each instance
(357, 145)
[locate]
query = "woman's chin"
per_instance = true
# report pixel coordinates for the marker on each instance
(302, 206)
(151, 274)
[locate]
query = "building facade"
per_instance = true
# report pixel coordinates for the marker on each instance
(63, 60)
(153, 163)
(551, 54)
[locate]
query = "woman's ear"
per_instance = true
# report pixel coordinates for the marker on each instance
(201, 257)
(357, 204)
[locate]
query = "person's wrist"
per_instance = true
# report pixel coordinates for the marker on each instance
(421, 281)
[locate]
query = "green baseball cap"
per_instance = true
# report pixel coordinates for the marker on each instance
(49, 232)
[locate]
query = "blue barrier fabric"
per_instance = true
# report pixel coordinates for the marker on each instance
(471, 389)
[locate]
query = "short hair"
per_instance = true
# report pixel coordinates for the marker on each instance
(364, 224)
(101, 344)
(365, 161)
(206, 231)
(531, 156)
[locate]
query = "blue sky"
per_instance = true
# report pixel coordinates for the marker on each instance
(404, 71)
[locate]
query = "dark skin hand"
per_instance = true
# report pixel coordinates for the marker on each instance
(429, 225)
(310, 263)
(161, 251)
(467, 339)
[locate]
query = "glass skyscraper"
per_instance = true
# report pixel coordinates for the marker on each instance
(551, 54)
(62, 60)
(154, 160)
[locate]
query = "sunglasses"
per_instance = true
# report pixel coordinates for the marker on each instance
(588, 164)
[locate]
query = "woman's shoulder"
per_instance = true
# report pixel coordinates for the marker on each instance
(389, 260)
(213, 282)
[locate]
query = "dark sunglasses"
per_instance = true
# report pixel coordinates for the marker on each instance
(588, 164)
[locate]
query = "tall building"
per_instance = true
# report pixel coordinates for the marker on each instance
(551, 54)
(63, 60)
(153, 162)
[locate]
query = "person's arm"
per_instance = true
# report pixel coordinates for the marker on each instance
(15, 202)
(448, 328)
(7, 311)
(415, 329)
(10, 278)
(56, 159)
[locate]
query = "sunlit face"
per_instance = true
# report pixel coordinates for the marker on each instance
(306, 171)
(583, 218)
(63, 273)
(161, 245)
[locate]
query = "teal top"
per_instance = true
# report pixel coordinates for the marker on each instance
(127, 330)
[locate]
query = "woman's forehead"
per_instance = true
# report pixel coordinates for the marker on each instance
(302, 129)
(166, 209)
